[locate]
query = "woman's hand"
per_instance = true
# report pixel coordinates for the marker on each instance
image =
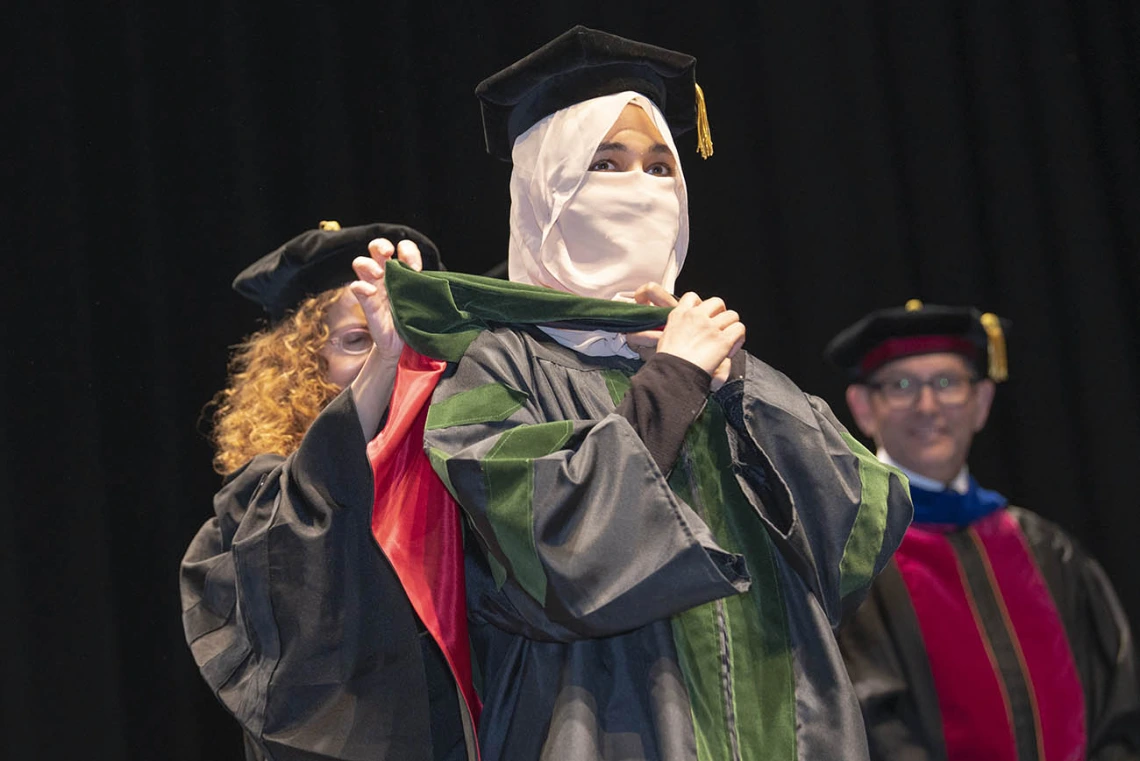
(704, 332)
(372, 293)
(372, 387)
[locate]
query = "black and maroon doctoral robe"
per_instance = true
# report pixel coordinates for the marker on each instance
(992, 635)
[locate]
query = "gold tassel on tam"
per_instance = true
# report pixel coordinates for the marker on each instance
(913, 305)
(999, 364)
(330, 225)
(704, 136)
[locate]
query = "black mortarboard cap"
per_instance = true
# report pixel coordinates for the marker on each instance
(888, 334)
(582, 64)
(320, 260)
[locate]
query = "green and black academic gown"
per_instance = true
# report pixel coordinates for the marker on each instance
(992, 636)
(299, 624)
(663, 599)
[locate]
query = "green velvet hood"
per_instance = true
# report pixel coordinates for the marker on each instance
(439, 314)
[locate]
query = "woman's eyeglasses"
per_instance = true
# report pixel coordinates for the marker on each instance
(355, 341)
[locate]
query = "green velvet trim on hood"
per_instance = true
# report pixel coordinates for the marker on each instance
(439, 314)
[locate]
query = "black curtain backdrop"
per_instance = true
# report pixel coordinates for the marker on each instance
(983, 151)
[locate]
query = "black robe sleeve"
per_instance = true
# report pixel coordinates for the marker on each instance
(813, 484)
(298, 623)
(1099, 635)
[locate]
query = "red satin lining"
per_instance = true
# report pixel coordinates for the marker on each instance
(971, 698)
(1045, 650)
(905, 346)
(416, 522)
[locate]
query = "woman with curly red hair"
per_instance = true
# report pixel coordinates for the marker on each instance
(295, 618)
(278, 385)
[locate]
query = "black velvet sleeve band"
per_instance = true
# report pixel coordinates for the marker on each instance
(664, 398)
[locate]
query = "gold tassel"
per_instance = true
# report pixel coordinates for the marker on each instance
(704, 136)
(999, 363)
(331, 225)
(913, 305)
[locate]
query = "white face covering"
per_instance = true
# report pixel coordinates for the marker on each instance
(597, 234)
(620, 230)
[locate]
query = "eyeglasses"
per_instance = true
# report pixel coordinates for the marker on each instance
(355, 341)
(903, 393)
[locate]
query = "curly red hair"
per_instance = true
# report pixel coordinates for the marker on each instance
(276, 387)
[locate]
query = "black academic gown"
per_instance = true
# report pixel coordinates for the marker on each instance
(298, 623)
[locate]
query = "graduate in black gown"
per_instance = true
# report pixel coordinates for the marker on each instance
(293, 614)
(664, 529)
(991, 634)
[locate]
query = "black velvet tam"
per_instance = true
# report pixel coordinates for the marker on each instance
(320, 260)
(888, 334)
(579, 65)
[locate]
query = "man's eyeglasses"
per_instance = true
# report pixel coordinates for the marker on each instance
(903, 393)
(355, 341)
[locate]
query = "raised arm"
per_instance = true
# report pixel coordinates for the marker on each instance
(373, 385)
(295, 620)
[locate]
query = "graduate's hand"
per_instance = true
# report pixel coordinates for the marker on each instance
(372, 292)
(704, 332)
(644, 342)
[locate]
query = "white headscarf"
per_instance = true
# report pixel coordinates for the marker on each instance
(556, 199)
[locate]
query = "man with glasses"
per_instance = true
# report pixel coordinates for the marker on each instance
(991, 634)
